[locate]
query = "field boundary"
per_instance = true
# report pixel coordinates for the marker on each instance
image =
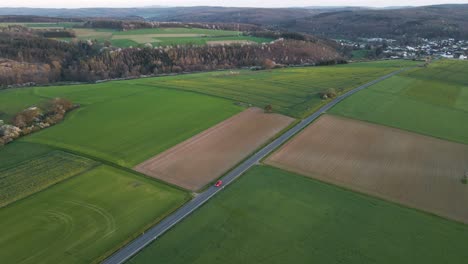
(88, 169)
(138, 244)
(360, 192)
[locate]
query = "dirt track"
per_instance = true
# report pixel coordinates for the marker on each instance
(199, 160)
(408, 168)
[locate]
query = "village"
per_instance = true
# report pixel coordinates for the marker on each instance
(389, 48)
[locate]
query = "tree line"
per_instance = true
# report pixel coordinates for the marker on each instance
(29, 58)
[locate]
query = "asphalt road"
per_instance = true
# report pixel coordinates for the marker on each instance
(153, 233)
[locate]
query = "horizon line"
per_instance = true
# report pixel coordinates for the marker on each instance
(284, 7)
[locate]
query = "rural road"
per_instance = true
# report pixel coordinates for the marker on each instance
(153, 233)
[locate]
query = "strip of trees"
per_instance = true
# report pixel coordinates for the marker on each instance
(26, 57)
(34, 119)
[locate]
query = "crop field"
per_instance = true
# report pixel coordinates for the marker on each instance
(273, 216)
(203, 158)
(84, 218)
(155, 36)
(291, 91)
(14, 100)
(415, 170)
(39, 173)
(121, 122)
(432, 101)
(163, 36)
(17, 152)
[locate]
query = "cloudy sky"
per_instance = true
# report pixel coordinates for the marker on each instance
(247, 3)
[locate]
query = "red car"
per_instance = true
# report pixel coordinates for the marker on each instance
(218, 183)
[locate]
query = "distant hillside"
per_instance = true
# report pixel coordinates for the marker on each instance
(428, 22)
(186, 14)
(257, 16)
(337, 22)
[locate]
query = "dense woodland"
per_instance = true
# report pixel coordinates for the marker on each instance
(27, 58)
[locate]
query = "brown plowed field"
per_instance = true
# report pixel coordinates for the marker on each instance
(201, 159)
(408, 168)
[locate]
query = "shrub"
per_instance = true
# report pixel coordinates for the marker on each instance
(26, 117)
(268, 64)
(329, 93)
(58, 106)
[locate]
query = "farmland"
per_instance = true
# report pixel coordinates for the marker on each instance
(127, 122)
(201, 159)
(415, 170)
(124, 123)
(272, 216)
(84, 218)
(291, 91)
(139, 37)
(163, 36)
(85, 211)
(36, 174)
(432, 101)
(18, 152)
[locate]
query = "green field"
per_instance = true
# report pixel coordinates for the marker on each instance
(119, 121)
(291, 91)
(431, 101)
(201, 31)
(272, 216)
(18, 152)
(163, 36)
(36, 174)
(139, 37)
(84, 218)
(127, 124)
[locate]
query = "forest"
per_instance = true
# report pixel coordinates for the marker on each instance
(28, 58)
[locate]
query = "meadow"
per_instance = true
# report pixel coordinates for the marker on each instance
(119, 121)
(36, 174)
(291, 91)
(431, 101)
(273, 216)
(85, 218)
(139, 37)
(163, 36)
(17, 152)
(127, 124)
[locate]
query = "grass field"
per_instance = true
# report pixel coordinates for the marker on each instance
(139, 37)
(162, 36)
(431, 101)
(38, 173)
(272, 216)
(291, 91)
(84, 218)
(18, 152)
(127, 124)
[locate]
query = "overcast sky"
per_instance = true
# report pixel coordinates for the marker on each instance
(246, 3)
